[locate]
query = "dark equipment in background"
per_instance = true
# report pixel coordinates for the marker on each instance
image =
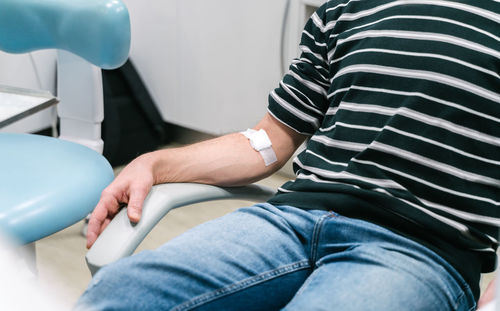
(132, 123)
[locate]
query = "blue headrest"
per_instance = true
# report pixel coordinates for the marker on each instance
(96, 30)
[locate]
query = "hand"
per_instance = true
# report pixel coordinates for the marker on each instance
(488, 295)
(130, 187)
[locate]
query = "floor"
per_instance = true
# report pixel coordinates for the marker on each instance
(61, 257)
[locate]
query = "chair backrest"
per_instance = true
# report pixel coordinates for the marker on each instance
(96, 30)
(89, 35)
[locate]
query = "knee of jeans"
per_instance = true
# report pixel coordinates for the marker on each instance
(107, 275)
(113, 276)
(108, 288)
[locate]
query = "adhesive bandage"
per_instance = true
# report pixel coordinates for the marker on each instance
(261, 143)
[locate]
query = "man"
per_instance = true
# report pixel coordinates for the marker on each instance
(395, 204)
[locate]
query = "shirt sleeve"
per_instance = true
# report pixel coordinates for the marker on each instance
(300, 101)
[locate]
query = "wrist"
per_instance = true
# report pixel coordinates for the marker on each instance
(148, 163)
(158, 163)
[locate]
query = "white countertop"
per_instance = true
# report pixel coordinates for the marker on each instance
(16, 103)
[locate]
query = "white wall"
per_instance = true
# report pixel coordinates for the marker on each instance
(210, 65)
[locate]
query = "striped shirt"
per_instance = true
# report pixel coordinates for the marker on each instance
(401, 100)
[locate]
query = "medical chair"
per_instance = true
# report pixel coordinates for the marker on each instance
(47, 184)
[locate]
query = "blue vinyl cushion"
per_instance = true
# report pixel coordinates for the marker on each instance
(96, 30)
(47, 184)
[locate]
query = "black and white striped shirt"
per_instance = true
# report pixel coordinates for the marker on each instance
(401, 99)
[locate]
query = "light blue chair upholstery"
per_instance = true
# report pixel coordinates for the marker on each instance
(47, 184)
(96, 30)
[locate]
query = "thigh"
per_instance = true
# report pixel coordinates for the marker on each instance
(375, 277)
(248, 260)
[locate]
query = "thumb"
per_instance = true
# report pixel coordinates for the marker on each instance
(135, 203)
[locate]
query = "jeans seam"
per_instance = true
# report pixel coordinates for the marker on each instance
(232, 288)
(473, 308)
(315, 237)
(463, 295)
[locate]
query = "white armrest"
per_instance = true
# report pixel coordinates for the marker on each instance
(121, 237)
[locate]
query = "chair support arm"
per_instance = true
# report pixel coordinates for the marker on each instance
(121, 237)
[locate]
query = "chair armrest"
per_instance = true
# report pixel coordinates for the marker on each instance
(96, 30)
(121, 237)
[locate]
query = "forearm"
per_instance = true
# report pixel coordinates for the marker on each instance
(229, 160)
(225, 161)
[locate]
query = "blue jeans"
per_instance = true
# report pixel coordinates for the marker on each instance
(281, 258)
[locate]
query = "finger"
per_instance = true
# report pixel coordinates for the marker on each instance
(105, 224)
(136, 200)
(104, 208)
(91, 238)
